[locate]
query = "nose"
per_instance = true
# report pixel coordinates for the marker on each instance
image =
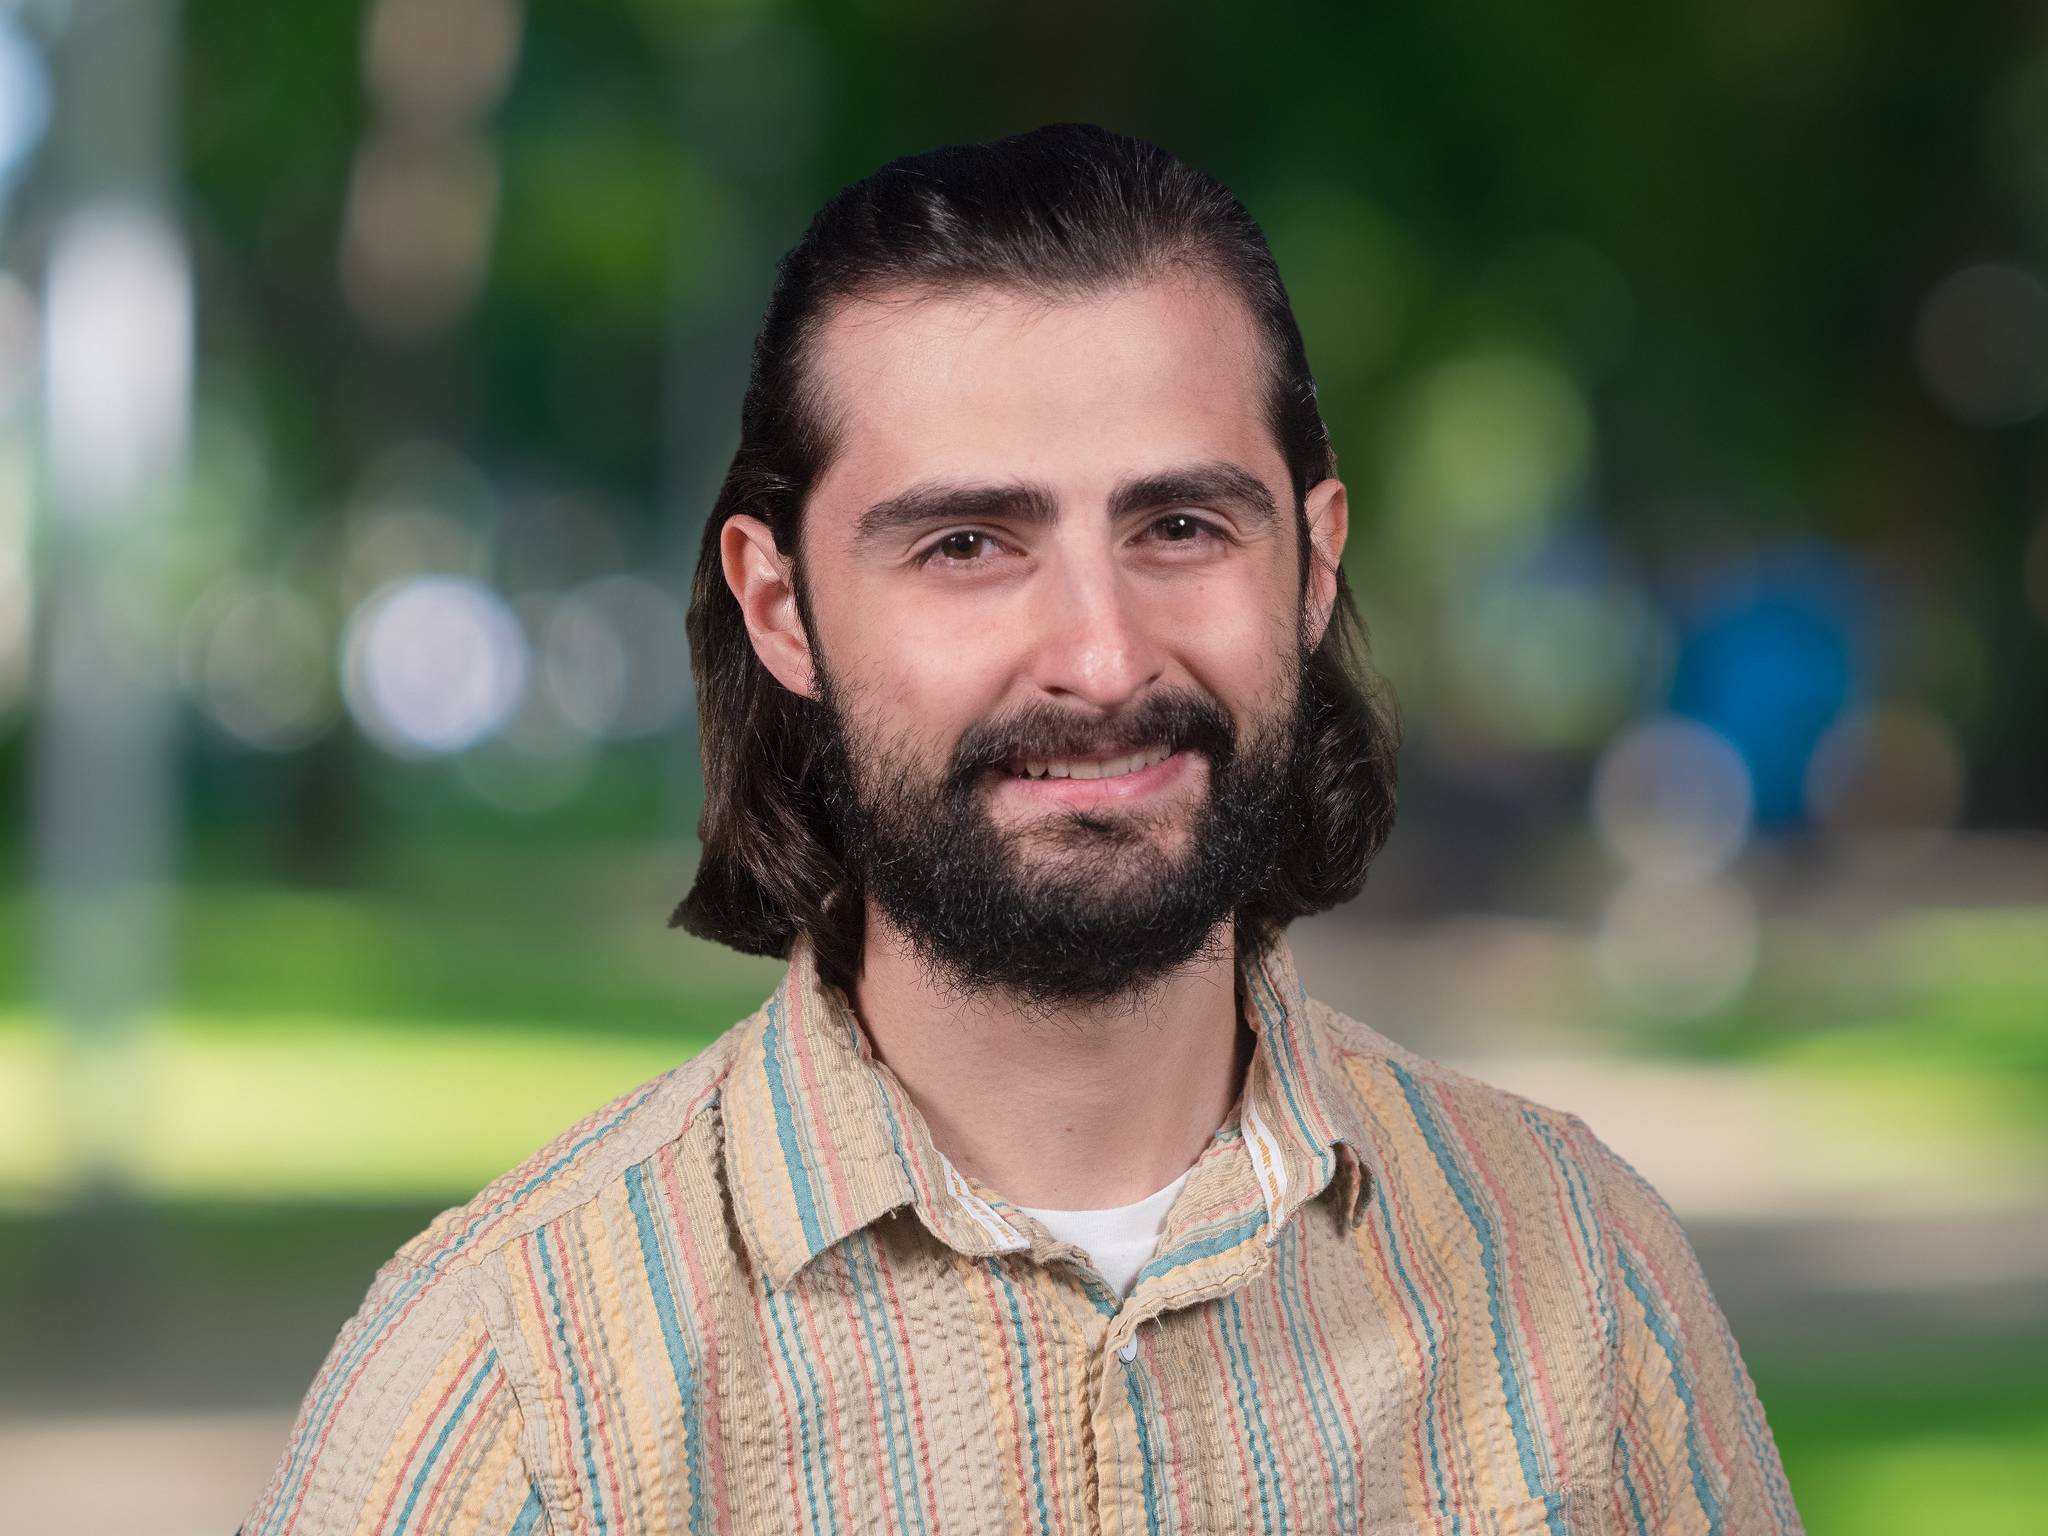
(1094, 642)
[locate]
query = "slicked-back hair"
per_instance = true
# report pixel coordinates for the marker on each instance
(1058, 214)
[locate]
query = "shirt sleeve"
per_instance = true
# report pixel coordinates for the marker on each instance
(1691, 1450)
(411, 1425)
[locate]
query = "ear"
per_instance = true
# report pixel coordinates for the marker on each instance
(1329, 520)
(759, 575)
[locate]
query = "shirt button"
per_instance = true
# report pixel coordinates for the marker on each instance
(1128, 1350)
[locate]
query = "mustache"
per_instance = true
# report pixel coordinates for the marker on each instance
(1180, 721)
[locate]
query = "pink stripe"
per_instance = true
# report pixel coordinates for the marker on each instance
(900, 1324)
(334, 1414)
(611, 1469)
(867, 1376)
(781, 1394)
(1263, 1376)
(995, 1311)
(1298, 1258)
(1059, 1514)
(1532, 1339)
(1421, 1361)
(1454, 1443)
(822, 1355)
(1567, 1226)
(1180, 1488)
(512, 1180)
(1690, 1355)
(1243, 1437)
(1646, 1489)
(455, 1454)
(800, 1043)
(540, 1313)
(703, 1317)
(1294, 1021)
(419, 1440)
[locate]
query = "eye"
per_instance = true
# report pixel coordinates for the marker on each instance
(1185, 528)
(960, 547)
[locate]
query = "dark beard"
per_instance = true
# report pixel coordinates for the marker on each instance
(1078, 906)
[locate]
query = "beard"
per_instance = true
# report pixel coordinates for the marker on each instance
(1068, 906)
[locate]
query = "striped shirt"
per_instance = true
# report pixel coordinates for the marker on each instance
(753, 1295)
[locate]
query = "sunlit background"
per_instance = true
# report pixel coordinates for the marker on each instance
(366, 371)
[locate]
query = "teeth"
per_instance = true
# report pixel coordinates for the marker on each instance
(1060, 768)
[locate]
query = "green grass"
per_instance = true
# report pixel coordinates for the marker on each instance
(540, 945)
(1915, 1447)
(364, 1046)
(308, 1106)
(1951, 989)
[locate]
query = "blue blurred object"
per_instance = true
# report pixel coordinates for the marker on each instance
(1771, 652)
(24, 100)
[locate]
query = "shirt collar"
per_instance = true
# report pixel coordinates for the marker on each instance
(821, 1139)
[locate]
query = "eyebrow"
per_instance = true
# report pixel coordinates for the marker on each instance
(1217, 484)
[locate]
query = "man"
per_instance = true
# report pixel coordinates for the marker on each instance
(1040, 1196)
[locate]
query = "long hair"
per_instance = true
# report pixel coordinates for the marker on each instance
(1061, 212)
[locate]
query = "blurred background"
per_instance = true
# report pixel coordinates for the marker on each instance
(366, 372)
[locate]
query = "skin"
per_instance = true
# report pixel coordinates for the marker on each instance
(1092, 1106)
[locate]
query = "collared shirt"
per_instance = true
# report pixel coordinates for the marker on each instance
(1117, 1240)
(753, 1295)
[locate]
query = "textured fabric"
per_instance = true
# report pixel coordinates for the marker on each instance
(1117, 1239)
(752, 1295)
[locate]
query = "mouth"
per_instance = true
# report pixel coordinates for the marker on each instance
(1130, 776)
(1110, 766)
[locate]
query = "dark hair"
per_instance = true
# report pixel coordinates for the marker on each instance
(1058, 213)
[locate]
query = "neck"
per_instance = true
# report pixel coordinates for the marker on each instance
(1085, 1108)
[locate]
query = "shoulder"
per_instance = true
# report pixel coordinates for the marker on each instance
(1421, 1111)
(582, 1163)
(1391, 1074)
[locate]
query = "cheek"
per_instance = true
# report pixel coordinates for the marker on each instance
(924, 678)
(1232, 639)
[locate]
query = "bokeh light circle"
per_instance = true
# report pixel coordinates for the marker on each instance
(257, 656)
(1982, 344)
(1677, 948)
(1672, 798)
(433, 664)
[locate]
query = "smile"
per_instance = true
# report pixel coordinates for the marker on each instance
(1089, 768)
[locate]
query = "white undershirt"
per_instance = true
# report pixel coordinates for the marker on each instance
(1119, 1239)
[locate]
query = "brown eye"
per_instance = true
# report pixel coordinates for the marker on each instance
(963, 544)
(1183, 528)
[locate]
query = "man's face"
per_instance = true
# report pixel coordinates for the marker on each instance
(1056, 536)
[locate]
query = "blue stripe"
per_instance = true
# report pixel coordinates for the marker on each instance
(529, 1515)
(1761, 1449)
(803, 1419)
(1238, 1356)
(1287, 1066)
(1574, 1176)
(1291, 1283)
(1623, 1457)
(1482, 1228)
(654, 1259)
(344, 1370)
(547, 1268)
(447, 1428)
(1137, 1401)
(785, 1131)
(1435, 1367)
(868, 1298)
(1030, 1403)
(1205, 1247)
(1660, 1328)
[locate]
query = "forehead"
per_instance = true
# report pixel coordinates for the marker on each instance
(1079, 394)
